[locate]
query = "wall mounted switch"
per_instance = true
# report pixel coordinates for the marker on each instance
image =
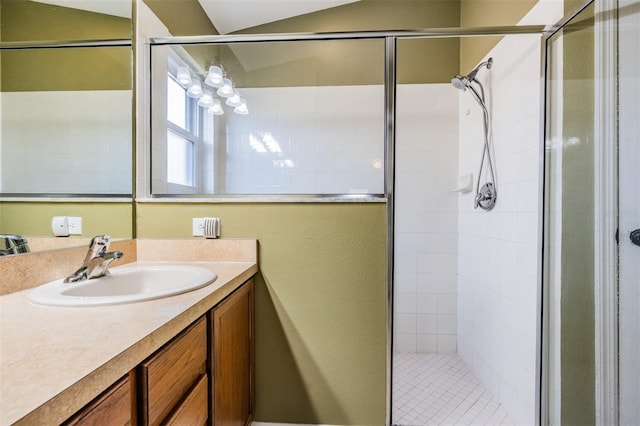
(198, 226)
(75, 225)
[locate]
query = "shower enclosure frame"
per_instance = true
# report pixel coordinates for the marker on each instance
(606, 213)
(390, 44)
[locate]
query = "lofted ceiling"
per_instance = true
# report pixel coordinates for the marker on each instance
(120, 8)
(228, 16)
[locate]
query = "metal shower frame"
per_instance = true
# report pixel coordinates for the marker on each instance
(390, 79)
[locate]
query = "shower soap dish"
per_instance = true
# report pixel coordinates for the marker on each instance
(465, 183)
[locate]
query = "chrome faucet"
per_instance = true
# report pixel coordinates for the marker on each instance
(96, 261)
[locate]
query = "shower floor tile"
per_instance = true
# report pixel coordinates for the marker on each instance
(439, 389)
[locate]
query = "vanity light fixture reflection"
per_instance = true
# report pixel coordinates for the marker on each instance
(195, 90)
(206, 100)
(226, 89)
(234, 100)
(216, 107)
(214, 77)
(183, 76)
(242, 109)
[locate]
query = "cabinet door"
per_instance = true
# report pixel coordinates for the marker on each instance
(113, 407)
(168, 376)
(232, 359)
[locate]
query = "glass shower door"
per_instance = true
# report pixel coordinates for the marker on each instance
(592, 208)
(569, 264)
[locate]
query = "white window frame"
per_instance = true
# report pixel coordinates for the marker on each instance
(193, 134)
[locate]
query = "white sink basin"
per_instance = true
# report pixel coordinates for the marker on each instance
(125, 284)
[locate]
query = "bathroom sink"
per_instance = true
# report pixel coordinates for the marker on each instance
(125, 284)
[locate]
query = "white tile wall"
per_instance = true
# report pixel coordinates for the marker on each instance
(498, 250)
(330, 138)
(86, 134)
(426, 224)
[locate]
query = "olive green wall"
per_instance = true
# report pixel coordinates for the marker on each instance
(62, 69)
(320, 303)
(577, 298)
(487, 13)
(34, 218)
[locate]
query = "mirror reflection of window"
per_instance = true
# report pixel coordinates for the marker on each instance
(176, 103)
(179, 160)
(182, 135)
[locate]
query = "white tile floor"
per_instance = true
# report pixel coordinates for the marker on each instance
(439, 389)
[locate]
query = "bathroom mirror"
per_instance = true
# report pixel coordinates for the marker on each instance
(66, 114)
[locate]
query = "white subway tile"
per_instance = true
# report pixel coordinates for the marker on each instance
(427, 343)
(447, 304)
(426, 303)
(528, 195)
(447, 324)
(427, 283)
(406, 303)
(427, 243)
(446, 263)
(405, 282)
(406, 242)
(426, 263)
(405, 323)
(405, 342)
(427, 324)
(447, 344)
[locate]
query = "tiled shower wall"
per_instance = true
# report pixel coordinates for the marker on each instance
(306, 140)
(498, 269)
(426, 219)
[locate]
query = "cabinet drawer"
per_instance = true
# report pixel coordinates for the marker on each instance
(194, 410)
(113, 407)
(168, 375)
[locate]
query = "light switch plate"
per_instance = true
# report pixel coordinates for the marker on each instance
(74, 225)
(198, 226)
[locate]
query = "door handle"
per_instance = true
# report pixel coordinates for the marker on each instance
(635, 237)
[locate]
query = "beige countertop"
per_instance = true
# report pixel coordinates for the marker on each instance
(54, 360)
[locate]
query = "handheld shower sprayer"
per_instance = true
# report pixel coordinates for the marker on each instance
(488, 63)
(487, 195)
(463, 82)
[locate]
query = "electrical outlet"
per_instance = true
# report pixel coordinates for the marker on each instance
(74, 225)
(198, 226)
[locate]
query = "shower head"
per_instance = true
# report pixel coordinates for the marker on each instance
(463, 82)
(460, 82)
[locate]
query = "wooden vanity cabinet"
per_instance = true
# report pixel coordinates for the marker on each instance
(115, 406)
(203, 376)
(231, 359)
